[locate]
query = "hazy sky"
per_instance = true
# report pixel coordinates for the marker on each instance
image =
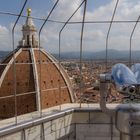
(94, 34)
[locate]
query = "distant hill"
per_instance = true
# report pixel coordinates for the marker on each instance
(112, 54)
(3, 54)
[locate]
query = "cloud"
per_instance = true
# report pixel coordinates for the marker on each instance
(94, 34)
(4, 38)
(3, 30)
(65, 9)
(120, 32)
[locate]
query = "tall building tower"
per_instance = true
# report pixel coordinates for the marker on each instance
(30, 78)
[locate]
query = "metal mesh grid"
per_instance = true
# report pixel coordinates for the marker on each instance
(69, 22)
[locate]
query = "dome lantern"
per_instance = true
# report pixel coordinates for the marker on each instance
(29, 32)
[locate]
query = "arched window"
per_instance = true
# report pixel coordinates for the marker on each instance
(32, 40)
(27, 39)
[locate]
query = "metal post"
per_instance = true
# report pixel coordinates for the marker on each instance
(60, 33)
(125, 137)
(81, 48)
(40, 30)
(131, 36)
(107, 37)
(14, 65)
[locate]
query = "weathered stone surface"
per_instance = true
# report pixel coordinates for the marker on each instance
(71, 126)
(99, 117)
(16, 136)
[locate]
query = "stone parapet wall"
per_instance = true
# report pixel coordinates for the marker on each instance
(84, 123)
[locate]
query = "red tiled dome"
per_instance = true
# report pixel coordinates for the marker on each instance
(40, 81)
